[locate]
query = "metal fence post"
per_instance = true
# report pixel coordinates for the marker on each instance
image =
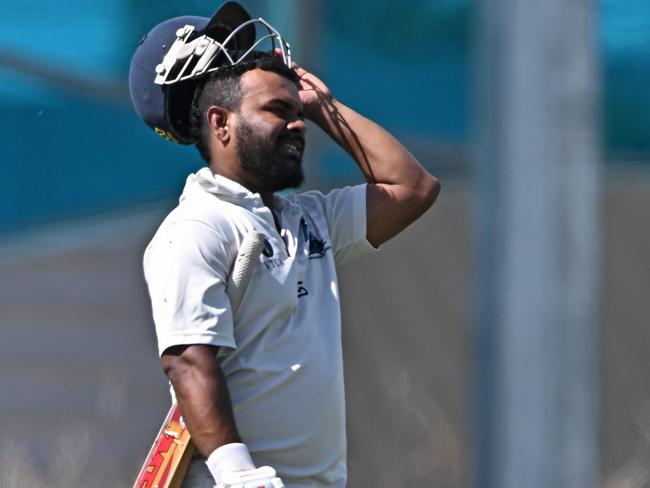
(537, 245)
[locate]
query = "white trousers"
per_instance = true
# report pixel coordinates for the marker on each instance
(198, 475)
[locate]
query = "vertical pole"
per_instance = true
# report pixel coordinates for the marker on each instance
(537, 253)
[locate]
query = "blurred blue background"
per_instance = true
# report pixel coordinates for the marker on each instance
(73, 146)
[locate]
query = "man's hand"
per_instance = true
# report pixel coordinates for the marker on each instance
(264, 477)
(231, 466)
(314, 94)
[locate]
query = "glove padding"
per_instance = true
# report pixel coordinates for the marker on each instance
(264, 477)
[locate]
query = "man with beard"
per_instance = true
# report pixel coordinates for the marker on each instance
(264, 385)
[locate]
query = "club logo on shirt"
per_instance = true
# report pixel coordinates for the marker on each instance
(272, 262)
(317, 247)
(268, 249)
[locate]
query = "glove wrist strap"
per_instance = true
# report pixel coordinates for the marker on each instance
(228, 458)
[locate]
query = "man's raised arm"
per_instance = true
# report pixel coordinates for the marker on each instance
(399, 189)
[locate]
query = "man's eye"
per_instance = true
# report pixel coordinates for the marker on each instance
(280, 112)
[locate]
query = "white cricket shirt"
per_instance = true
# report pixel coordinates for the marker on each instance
(282, 353)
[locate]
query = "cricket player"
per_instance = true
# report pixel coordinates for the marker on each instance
(260, 388)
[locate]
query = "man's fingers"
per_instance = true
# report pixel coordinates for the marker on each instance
(294, 66)
(278, 54)
(305, 84)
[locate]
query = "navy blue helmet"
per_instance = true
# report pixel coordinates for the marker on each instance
(170, 59)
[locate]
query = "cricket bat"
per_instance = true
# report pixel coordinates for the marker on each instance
(169, 457)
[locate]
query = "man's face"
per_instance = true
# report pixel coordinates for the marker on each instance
(270, 131)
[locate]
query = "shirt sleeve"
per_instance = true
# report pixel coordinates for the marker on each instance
(345, 213)
(186, 267)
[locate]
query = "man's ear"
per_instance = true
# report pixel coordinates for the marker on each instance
(218, 118)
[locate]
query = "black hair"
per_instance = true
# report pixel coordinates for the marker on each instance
(222, 88)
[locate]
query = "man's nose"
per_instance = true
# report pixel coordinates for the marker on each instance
(297, 125)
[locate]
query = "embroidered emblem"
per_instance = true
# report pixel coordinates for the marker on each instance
(317, 247)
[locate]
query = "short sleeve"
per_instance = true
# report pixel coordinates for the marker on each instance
(185, 267)
(345, 214)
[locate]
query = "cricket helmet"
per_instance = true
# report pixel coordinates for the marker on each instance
(170, 59)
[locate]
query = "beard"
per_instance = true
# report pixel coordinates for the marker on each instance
(273, 165)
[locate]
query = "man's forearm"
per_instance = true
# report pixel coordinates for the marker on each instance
(381, 157)
(202, 396)
(400, 190)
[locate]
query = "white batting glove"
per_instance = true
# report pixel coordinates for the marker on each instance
(232, 467)
(264, 477)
